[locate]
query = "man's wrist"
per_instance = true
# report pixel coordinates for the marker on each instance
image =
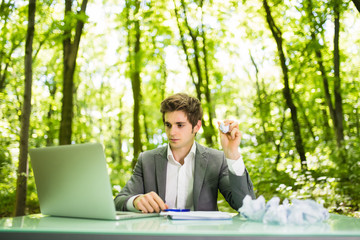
(232, 155)
(130, 203)
(237, 166)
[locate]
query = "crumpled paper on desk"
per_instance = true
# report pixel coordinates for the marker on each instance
(300, 212)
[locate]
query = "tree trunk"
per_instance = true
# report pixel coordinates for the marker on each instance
(22, 173)
(357, 123)
(136, 114)
(50, 122)
(70, 51)
(325, 123)
(210, 134)
(185, 49)
(147, 135)
(286, 91)
(336, 112)
(120, 141)
(306, 119)
(278, 145)
(4, 72)
(337, 83)
(135, 70)
(198, 66)
(260, 105)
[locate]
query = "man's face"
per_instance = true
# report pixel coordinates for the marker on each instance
(179, 130)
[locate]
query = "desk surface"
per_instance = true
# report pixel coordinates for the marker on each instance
(45, 227)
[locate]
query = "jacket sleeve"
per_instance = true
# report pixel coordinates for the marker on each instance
(133, 187)
(235, 188)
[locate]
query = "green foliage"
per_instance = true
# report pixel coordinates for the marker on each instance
(7, 180)
(347, 174)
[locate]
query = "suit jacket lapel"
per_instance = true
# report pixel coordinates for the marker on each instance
(160, 171)
(199, 172)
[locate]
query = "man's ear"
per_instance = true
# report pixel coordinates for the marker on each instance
(197, 126)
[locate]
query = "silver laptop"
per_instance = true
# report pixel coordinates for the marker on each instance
(73, 181)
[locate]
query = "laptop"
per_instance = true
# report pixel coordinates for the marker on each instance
(73, 181)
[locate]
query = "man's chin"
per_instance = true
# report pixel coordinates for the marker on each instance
(174, 144)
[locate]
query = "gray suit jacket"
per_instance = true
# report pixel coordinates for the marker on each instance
(210, 174)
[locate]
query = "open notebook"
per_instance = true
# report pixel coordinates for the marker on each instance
(73, 181)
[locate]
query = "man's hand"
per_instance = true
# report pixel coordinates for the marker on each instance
(230, 141)
(149, 203)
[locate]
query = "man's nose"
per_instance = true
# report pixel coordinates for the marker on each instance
(173, 131)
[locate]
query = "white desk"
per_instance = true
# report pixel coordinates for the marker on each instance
(45, 227)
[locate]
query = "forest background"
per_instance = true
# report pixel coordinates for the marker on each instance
(76, 72)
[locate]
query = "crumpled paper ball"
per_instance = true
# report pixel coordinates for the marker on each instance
(300, 212)
(224, 128)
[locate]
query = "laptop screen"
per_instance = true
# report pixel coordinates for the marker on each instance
(73, 181)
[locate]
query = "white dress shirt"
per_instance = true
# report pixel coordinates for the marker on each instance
(180, 180)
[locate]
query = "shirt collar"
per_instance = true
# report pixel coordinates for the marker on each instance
(191, 154)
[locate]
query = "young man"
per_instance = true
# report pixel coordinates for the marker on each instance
(185, 174)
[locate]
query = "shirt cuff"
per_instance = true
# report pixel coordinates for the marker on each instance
(236, 167)
(130, 204)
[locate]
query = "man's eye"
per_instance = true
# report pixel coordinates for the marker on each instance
(168, 125)
(180, 125)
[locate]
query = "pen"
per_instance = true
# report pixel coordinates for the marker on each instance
(176, 210)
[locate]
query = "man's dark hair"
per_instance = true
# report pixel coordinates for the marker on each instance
(182, 102)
